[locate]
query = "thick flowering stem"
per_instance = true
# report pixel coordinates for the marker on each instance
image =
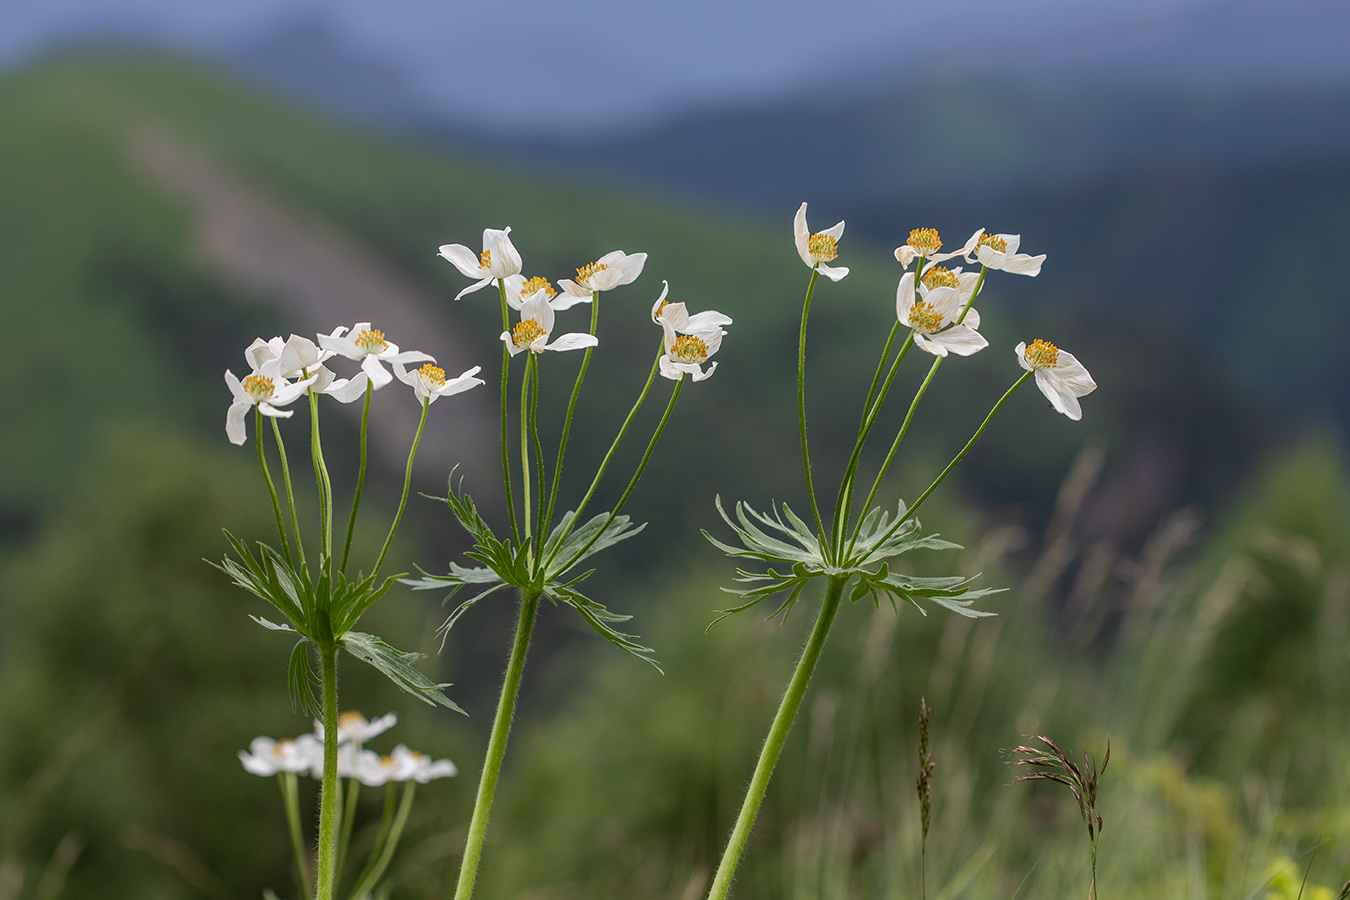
(407, 483)
(525, 499)
(328, 793)
(844, 503)
(372, 876)
(801, 406)
(290, 796)
(567, 420)
(496, 751)
(632, 482)
(290, 493)
(506, 371)
(895, 445)
(773, 743)
(324, 482)
(909, 513)
(360, 478)
(614, 446)
(272, 491)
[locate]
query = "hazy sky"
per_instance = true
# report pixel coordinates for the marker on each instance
(525, 64)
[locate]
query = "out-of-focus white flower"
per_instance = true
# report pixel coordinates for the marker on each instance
(925, 242)
(429, 382)
(933, 314)
(819, 248)
(370, 347)
(499, 259)
(268, 757)
(678, 316)
(265, 389)
(1059, 375)
(352, 726)
(999, 251)
(536, 325)
(606, 273)
(401, 764)
(686, 353)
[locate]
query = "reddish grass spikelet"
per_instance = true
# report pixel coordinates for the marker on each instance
(1053, 764)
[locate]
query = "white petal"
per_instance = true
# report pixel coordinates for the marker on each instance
(945, 301)
(620, 268)
(463, 259)
(1021, 264)
(1071, 373)
(510, 344)
(669, 332)
(801, 235)
(267, 409)
(513, 285)
(347, 390)
(379, 375)
(461, 384)
(1062, 400)
(905, 255)
(1021, 352)
(574, 341)
(972, 318)
(566, 300)
(538, 309)
(660, 301)
(260, 352)
(234, 421)
(704, 376)
(961, 340)
(834, 273)
(904, 297)
(572, 288)
(836, 230)
(677, 315)
(673, 370)
(407, 356)
(476, 286)
(504, 258)
(925, 343)
(299, 353)
(706, 320)
(1013, 241)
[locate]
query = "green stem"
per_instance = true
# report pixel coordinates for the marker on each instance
(773, 743)
(492, 764)
(351, 795)
(909, 513)
(407, 482)
(525, 446)
(506, 371)
(567, 421)
(368, 882)
(973, 294)
(324, 482)
(609, 454)
(632, 482)
(895, 445)
(290, 796)
(272, 490)
(290, 492)
(540, 529)
(801, 406)
(360, 477)
(328, 794)
(377, 850)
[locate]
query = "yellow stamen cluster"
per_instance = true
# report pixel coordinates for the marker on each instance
(259, 387)
(994, 242)
(924, 318)
(525, 332)
(1042, 354)
(280, 747)
(432, 377)
(689, 348)
(586, 271)
(350, 718)
(939, 276)
(485, 259)
(822, 247)
(925, 241)
(371, 340)
(535, 285)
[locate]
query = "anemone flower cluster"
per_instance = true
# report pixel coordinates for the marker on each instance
(303, 755)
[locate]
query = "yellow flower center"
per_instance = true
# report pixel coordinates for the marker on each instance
(371, 340)
(525, 333)
(925, 241)
(939, 277)
(924, 318)
(535, 285)
(433, 378)
(350, 718)
(822, 247)
(585, 272)
(993, 242)
(1042, 354)
(280, 747)
(259, 387)
(689, 348)
(485, 259)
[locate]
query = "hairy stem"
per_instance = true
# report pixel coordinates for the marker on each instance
(372, 877)
(567, 420)
(290, 492)
(325, 485)
(506, 372)
(801, 409)
(272, 491)
(328, 794)
(525, 499)
(360, 477)
(773, 743)
(407, 482)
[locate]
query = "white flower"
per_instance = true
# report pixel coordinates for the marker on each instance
(678, 316)
(269, 757)
(499, 259)
(429, 382)
(607, 272)
(370, 347)
(261, 352)
(938, 306)
(999, 251)
(925, 242)
(819, 248)
(301, 358)
(402, 764)
(519, 289)
(535, 326)
(1059, 375)
(352, 726)
(265, 389)
(686, 353)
